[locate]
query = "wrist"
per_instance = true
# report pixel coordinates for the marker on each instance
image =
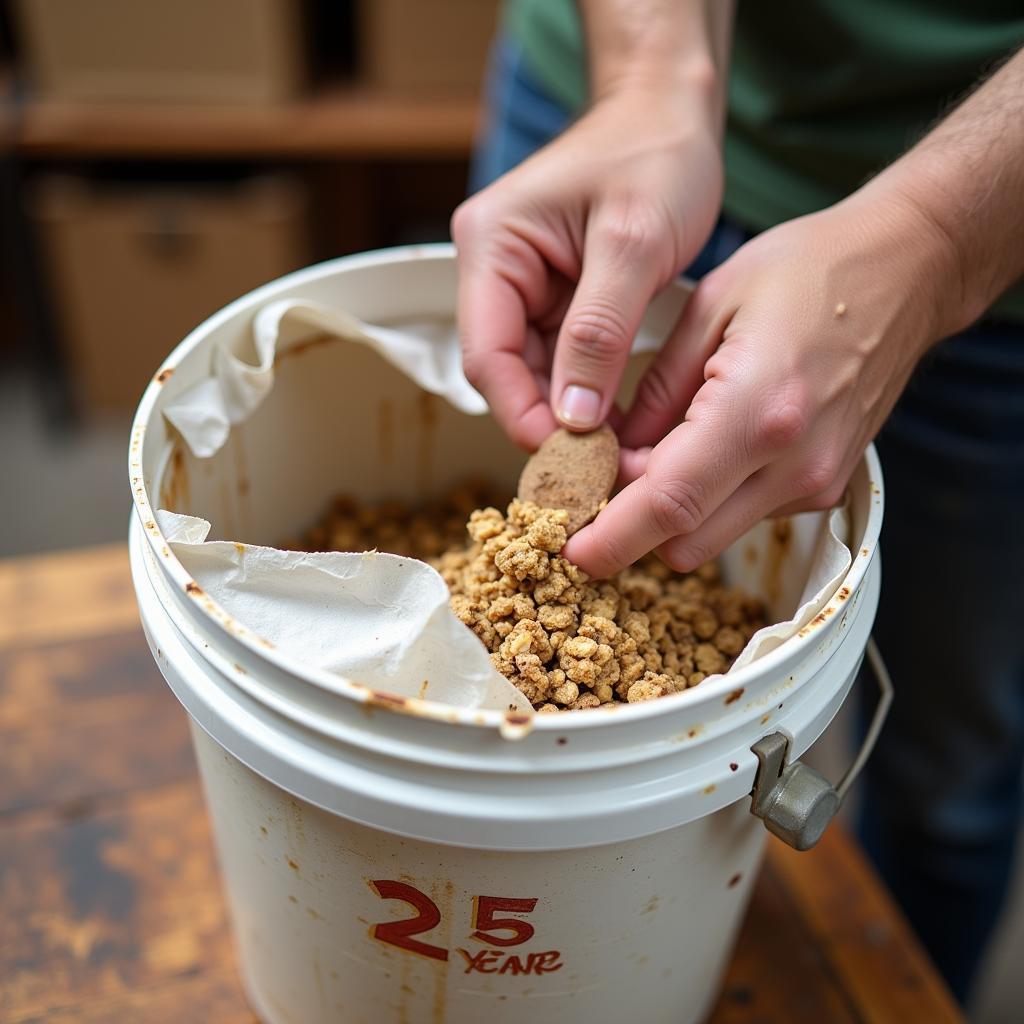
(685, 91)
(669, 73)
(924, 214)
(671, 50)
(927, 247)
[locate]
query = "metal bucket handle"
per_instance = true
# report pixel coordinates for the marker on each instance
(795, 802)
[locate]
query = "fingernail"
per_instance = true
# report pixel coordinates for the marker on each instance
(580, 407)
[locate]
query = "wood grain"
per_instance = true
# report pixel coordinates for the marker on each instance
(212, 995)
(64, 596)
(112, 909)
(337, 122)
(776, 972)
(99, 906)
(864, 938)
(63, 742)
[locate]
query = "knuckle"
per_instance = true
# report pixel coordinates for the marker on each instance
(711, 289)
(687, 557)
(598, 336)
(676, 506)
(818, 477)
(470, 218)
(627, 232)
(782, 423)
(458, 224)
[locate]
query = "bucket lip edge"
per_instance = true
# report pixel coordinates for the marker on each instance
(360, 692)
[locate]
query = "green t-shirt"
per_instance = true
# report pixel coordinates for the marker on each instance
(822, 93)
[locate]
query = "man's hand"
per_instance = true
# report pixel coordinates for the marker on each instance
(791, 355)
(783, 367)
(560, 257)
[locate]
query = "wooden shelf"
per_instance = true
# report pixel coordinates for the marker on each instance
(334, 123)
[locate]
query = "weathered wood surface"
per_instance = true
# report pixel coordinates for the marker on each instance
(110, 905)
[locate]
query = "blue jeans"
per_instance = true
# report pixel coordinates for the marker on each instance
(943, 798)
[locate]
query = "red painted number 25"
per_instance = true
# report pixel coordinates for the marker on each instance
(400, 933)
(485, 923)
(488, 927)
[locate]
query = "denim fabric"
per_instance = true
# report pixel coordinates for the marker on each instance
(943, 793)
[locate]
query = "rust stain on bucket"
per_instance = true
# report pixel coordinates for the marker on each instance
(693, 733)
(734, 696)
(162, 376)
(381, 698)
(779, 544)
(427, 436)
(516, 725)
(241, 466)
(175, 494)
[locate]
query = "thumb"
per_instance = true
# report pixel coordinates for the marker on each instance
(619, 277)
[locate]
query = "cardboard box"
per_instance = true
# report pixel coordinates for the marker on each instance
(157, 50)
(132, 269)
(414, 46)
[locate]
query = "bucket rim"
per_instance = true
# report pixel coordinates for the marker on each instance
(507, 722)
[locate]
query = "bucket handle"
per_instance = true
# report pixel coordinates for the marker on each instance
(795, 802)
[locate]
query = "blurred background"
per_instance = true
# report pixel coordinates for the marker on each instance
(160, 159)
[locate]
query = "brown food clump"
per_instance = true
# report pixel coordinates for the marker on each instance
(568, 642)
(575, 472)
(565, 641)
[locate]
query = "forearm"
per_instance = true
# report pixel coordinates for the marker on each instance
(679, 48)
(966, 179)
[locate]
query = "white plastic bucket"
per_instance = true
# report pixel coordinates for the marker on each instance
(394, 860)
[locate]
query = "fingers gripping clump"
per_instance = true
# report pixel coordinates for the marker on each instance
(571, 643)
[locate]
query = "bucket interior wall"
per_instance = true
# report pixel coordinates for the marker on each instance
(341, 419)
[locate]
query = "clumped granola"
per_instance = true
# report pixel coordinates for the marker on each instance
(565, 641)
(568, 642)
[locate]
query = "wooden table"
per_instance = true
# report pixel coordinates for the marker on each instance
(110, 905)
